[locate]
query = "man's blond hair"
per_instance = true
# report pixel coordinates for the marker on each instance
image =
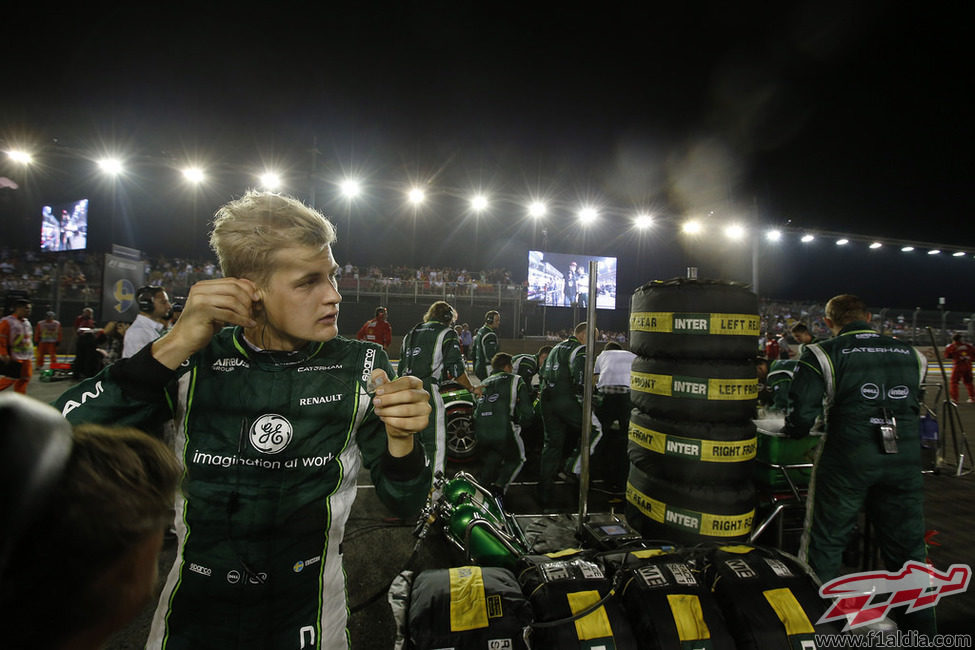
(249, 231)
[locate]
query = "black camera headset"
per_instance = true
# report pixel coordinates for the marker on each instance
(145, 295)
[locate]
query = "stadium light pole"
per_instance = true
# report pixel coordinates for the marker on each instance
(112, 167)
(416, 197)
(351, 189)
(479, 203)
(195, 176)
(536, 211)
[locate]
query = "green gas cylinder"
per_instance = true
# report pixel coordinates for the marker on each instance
(464, 489)
(482, 543)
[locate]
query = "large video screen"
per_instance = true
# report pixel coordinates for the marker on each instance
(562, 279)
(64, 226)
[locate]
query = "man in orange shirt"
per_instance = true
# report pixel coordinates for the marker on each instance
(17, 344)
(377, 330)
(47, 336)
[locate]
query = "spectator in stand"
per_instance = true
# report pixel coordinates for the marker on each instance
(47, 335)
(377, 330)
(155, 310)
(961, 353)
(17, 344)
(85, 320)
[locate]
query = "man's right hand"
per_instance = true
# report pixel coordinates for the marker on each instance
(210, 305)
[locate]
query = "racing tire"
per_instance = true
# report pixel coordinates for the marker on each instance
(694, 319)
(705, 391)
(689, 514)
(692, 452)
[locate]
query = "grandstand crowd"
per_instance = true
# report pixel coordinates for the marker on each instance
(79, 279)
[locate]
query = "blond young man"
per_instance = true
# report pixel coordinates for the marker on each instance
(274, 419)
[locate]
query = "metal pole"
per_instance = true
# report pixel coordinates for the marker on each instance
(949, 411)
(586, 428)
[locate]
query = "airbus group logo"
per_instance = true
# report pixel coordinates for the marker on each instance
(271, 433)
(864, 598)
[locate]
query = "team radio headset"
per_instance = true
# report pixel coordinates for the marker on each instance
(145, 297)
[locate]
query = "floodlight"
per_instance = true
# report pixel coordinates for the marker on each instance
(692, 227)
(587, 215)
(734, 231)
(350, 188)
(21, 157)
(842, 242)
(479, 202)
(643, 221)
(876, 244)
(807, 238)
(537, 210)
(417, 196)
(958, 254)
(907, 249)
(773, 235)
(193, 174)
(934, 251)
(270, 181)
(111, 166)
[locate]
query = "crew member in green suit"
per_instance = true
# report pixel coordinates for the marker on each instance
(868, 386)
(563, 374)
(505, 402)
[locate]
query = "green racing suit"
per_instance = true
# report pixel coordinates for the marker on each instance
(779, 380)
(505, 402)
(861, 380)
(561, 405)
(486, 345)
(431, 352)
(271, 445)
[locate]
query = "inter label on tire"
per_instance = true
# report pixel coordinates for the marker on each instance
(662, 322)
(700, 523)
(694, 387)
(719, 451)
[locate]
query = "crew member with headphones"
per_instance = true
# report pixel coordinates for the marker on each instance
(486, 344)
(155, 310)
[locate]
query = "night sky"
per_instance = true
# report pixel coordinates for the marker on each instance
(845, 117)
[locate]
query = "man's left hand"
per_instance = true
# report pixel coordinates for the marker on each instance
(404, 407)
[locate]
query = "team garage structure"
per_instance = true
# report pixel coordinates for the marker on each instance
(680, 567)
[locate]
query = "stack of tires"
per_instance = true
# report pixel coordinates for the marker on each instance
(693, 386)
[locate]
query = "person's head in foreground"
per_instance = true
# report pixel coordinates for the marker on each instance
(85, 561)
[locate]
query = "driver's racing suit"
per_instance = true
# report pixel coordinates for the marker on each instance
(271, 445)
(431, 352)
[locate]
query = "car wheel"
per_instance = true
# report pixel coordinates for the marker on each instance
(461, 442)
